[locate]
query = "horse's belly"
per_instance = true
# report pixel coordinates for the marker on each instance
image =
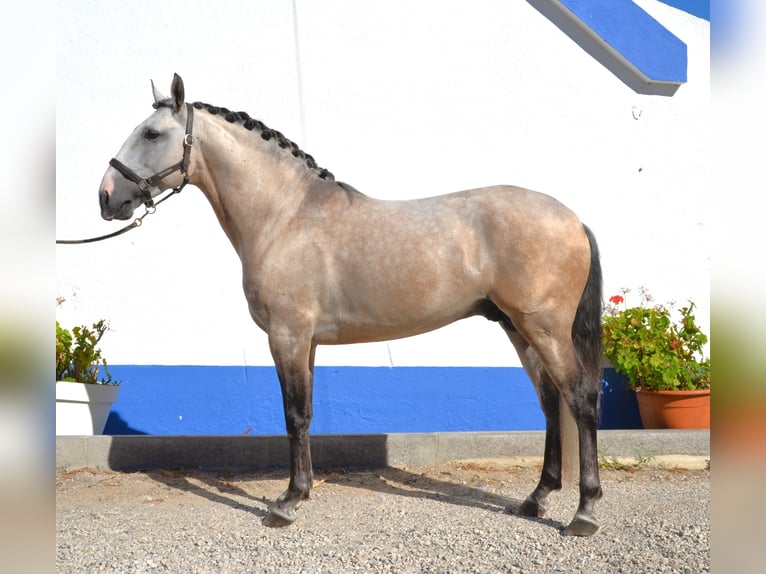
(388, 319)
(367, 333)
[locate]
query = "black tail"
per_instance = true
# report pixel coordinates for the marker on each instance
(586, 330)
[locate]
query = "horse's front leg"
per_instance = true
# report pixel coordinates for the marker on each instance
(294, 359)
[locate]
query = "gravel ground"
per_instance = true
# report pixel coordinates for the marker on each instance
(448, 518)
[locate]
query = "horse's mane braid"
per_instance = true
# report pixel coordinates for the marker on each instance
(267, 134)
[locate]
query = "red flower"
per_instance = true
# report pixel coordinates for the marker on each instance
(616, 299)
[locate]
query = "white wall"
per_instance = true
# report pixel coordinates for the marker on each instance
(399, 99)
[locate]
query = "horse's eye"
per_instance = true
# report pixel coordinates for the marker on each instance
(151, 135)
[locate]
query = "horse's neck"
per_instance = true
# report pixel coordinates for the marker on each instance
(246, 179)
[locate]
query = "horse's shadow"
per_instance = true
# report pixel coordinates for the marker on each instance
(222, 488)
(216, 488)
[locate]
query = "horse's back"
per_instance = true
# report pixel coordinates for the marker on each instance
(463, 232)
(511, 203)
(502, 222)
(518, 204)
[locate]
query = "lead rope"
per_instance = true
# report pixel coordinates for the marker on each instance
(136, 222)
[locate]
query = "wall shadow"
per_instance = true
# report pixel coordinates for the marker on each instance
(116, 425)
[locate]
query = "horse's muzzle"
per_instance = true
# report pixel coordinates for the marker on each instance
(108, 212)
(103, 201)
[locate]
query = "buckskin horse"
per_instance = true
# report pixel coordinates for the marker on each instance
(323, 264)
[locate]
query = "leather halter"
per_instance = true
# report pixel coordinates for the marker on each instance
(145, 184)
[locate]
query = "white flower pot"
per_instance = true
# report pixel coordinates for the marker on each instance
(82, 409)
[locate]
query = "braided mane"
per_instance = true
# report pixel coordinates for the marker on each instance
(266, 133)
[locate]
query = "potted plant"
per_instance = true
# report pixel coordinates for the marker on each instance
(662, 358)
(85, 390)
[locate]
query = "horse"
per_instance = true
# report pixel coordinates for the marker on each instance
(324, 264)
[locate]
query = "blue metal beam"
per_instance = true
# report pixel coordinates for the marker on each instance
(625, 39)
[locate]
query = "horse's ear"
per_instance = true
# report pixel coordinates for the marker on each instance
(158, 97)
(177, 92)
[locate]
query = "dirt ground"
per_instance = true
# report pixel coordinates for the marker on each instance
(90, 488)
(454, 517)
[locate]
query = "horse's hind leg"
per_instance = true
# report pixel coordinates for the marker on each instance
(580, 393)
(294, 360)
(552, 364)
(550, 478)
(583, 402)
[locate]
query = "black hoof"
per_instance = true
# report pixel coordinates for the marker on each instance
(531, 507)
(582, 526)
(279, 517)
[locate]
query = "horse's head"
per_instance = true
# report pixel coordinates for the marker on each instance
(154, 158)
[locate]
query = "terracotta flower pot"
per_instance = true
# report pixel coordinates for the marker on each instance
(674, 409)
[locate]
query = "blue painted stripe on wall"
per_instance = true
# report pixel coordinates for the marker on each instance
(698, 8)
(636, 36)
(173, 400)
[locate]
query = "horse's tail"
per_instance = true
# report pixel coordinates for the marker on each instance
(586, 336)
(586, 330)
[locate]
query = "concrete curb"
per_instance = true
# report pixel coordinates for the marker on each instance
(250, 453)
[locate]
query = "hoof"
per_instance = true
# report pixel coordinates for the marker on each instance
(531, 508)
(582, 526)
(278, 517)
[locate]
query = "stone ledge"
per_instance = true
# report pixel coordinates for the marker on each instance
(250, 453)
